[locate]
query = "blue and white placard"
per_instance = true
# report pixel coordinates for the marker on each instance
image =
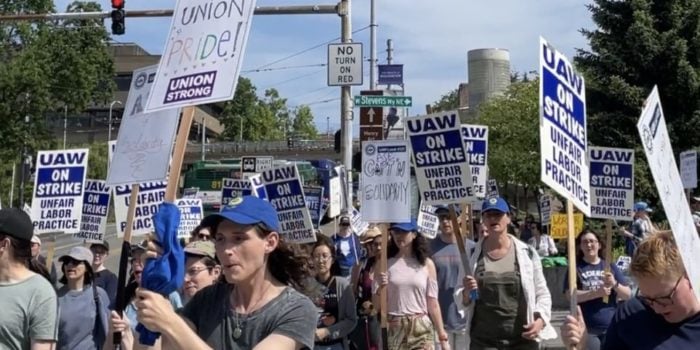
(428, 222)
(563, 135)
(313, 195)
(476, 142)
(150, 195)
(95, 209)
(234, 188)
(612, 183)
(286, 194)
(191, 214)
(58, 190)
(440, 158)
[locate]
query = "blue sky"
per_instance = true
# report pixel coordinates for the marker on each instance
(431, 39)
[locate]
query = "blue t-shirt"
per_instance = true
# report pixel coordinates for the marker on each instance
(449, 270)
(596, 313)
(637, 327)
(347, 250)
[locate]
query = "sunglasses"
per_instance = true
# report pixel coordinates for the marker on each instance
(663, 301)
(203, 236)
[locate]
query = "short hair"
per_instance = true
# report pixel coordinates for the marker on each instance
(658, 257)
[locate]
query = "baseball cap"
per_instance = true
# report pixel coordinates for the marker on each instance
(642, 206)
(411, 226)
(16, 223)
(78, 253)
(441, 209)
(103, 244)
(371, 234)
(495, 204)
(36, 239)
(201, 248)
(246, 210)
(344, 220)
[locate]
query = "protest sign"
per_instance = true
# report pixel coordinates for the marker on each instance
(358, 224)
(689, 169)
(234, 188)
(203, 53)
(313, 196)
(257, 187)
(145, 141)
(95, 209)
(428, 222)
(559, 227)
(662, 163)
(58, 190)
(335, 203)
(190, 192)
(385, 182)
(545, 209)
(191, 214)
(612, 183)
(150, 195)
(492, 189)
(440, 159)
(285, 193)
(563, 135)
(476, 138)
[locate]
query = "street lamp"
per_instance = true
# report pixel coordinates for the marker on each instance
(109, 131)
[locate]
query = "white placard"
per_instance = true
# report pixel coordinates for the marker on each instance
(440, 158)
(285, 193)
(191, 214)
(150, 196)
(58, 190)
(203, 53)
(335, 205)
(657, 147)
(476, 142)
(563, 135)
(428, 223)
(612, 183)
(95, 210)
(689, 169)
(345, 64)
(145, 140)
(385, 182)
(358, 224)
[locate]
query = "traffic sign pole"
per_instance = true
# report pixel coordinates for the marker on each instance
(346, 104)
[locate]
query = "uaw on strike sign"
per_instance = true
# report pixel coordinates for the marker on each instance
(612, 183)
(563, 136)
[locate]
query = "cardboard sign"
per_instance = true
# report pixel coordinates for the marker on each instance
(58, 190)
(440, 158)
(285, 193)
(476, 142)
(559, 225)
(203, 53)
(313, 196)
(428, 222)
(563, 135)
(689, 169)
(385, 182)
(657, 147)
(612, 183)
(234, 188)
(191, 214)
(95, 209)
(150, 195)
(144, 145)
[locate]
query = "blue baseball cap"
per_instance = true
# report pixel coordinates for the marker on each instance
(495, 204)
(642, 206)
(411, 226)
(246, 210)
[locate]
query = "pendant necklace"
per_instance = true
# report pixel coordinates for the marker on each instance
(238, 331)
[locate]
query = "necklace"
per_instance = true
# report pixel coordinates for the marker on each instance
(238, 331)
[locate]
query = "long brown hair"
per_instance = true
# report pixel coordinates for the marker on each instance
(22, 252)
(419, 247)
(601, 245)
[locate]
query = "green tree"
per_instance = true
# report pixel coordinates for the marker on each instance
(448, 101)
(638, 44)
(304, 126)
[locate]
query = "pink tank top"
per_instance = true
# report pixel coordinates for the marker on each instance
(409, 287)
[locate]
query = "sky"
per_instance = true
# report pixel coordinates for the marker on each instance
(430, 38)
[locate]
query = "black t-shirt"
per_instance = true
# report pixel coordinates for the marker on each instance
(637, 327)
(108, 281)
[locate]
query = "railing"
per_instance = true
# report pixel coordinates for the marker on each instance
(253, 147)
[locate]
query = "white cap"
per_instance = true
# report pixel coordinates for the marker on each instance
(36, 239)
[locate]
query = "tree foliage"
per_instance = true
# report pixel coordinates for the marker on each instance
(303, 124)
(448, 101)
(638, 44)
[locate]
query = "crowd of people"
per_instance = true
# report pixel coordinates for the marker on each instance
(246, 288)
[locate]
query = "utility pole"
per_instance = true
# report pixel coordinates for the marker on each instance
(328, 128)
(346, 104)
(373, 46)
(65, 124)
(204, 138)
(23, 170)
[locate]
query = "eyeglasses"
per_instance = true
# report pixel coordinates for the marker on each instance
(660, 301)
(589, 241)
(194, 272)
(204, 237)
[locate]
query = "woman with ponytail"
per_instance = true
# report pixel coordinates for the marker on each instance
(27, 299)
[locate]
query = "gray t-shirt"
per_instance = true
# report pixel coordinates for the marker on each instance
(78, 328)
(28, 312)
(290, 314)
(450, 273)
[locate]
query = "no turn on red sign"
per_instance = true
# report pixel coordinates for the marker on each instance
(345, 64)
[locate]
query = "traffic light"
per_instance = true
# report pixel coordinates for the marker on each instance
(336, 143)
(118, 15)
(117, 4)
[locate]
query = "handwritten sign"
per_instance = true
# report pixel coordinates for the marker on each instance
(612, 183)
(95, 209)
(441, 163)
(191, 214)
(428, 222)
(313, 196)
(285, 193)
(145, 141)
(386, 174)
(150, 195)
(58, 190)
(559, 225)
(203, 53)
(476, 142)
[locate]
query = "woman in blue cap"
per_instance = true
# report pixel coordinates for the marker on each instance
(258, 306)
(412, 291)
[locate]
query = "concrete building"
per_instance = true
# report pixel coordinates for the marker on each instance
(489, 75)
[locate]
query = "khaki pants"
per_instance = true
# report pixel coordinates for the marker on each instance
(410, 333)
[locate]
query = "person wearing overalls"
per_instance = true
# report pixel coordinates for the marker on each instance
(514, 305)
